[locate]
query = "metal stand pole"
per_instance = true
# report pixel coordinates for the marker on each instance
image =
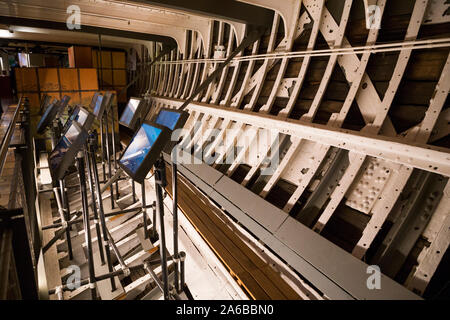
(113, 133)
(92, 149)
(66, 213)
(87, 229)
(175, 223)
(160, 184)
(108, 157)
(133, 188)
(94, 207)
(54, 134)
(144, 210)
(102, 142)
(182, 257)
(154, 233)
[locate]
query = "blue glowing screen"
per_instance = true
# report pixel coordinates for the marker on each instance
(140, 146)
(168, 118)
(81, 117)
(46, 113)
(63, 145)
(98, 104)
(129, 111)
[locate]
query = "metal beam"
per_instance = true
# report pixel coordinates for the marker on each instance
(410, 154)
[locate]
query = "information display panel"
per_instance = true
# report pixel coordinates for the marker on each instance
(47, 117)
(131, 113)
(65, 151)
(100, 103)
(73, 116)
(172, 119)
(144, 149)
(62, 105)
(44, 102)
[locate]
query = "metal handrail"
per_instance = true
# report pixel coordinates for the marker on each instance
(9, 132)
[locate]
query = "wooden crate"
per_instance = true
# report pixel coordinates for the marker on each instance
(88, 79)
(80, 57)
(48, 79)
(69, 79)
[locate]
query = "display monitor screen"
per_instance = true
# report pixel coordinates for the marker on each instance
(82, 116)
(140, 146)
(62, 105)
(58, 153)
(98, 105)
(47, 117)
(72, 117)
(63, 155)
(130, 112)
(168, 118)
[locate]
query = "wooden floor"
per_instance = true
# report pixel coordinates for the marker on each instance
(259, 280)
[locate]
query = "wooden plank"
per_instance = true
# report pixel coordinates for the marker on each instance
(271, 274)
(266, 278)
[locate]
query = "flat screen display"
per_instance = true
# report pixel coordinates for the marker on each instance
(140, 146)
(82, 117)
(62, 105)
(58, 153)
(98, 105)
(47, 117)
(129, 112)
(63, 155)
(72, 117)
(168, 118)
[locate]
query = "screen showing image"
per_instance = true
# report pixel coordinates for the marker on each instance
(47, 112)
(129, 111)
(64, 101)
(168, 119)
(58, 153)
(82, 116)
(62, 105)
(98, 105)
(46, 117)
(71, 134)
(140, 146)
(72, 117)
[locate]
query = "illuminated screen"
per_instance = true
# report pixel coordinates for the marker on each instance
(98, 104)
(168, 119)
(71, 134)
(48, 111)
(65, 101)
(82, 116)
(63, 146)
(72, 117)
(58, 153)
(45, 119)
(139, 147)
(129, 111)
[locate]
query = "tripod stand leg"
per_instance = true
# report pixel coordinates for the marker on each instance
(108, 158)
(94, 207)
(175, 223)
(87, 229)
(66, 213)
(160, 183)
(100, 209)
(144, 210)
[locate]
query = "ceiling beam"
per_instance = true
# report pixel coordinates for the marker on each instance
(32, 23)
(221, 10)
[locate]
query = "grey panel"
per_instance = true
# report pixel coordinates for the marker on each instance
(319, 280)
(333, 271)
(347, 271)
(256, 207)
